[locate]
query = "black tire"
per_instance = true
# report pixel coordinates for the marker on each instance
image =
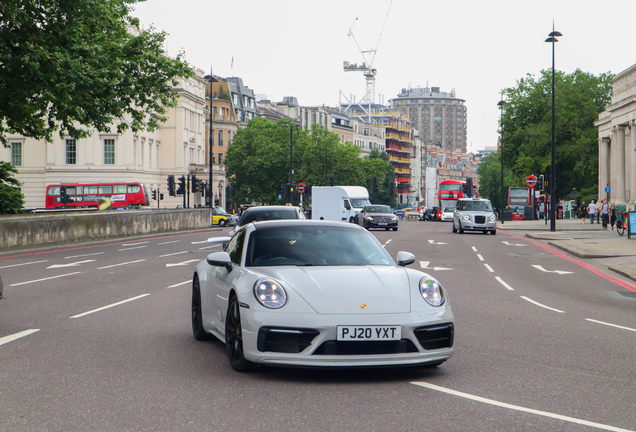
(485, 232)
(386, 229)
(454, 229)
(351, 219)
(234, 338)
(461, 230)
(197, 319)
(395, 229)
(620, 228)
(493, 232)
(223, 222)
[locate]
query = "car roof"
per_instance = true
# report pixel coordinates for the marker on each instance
(303, 222)
(272, 207)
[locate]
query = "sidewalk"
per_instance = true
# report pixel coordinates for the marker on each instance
(584, 240)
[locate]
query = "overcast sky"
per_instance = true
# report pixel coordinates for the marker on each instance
(296, 47)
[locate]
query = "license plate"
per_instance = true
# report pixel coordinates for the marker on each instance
(382, 223)
(480, 226)
(369, 333)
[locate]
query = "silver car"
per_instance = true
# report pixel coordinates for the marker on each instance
(474, 215)
(318, 294)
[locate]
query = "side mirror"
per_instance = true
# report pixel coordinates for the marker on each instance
(405, 258)
(220, 259)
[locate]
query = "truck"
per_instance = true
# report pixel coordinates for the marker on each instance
(338, 203)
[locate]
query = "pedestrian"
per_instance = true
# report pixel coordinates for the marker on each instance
(605, 213)
(612, 212)
(582, 210)
(591, 211)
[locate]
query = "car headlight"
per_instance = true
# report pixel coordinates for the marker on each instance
(432, 291)
(466, 217)
(369, 218)
(270, 293)
(492, 218)
(394, 218)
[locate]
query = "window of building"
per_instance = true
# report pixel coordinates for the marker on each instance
(71, 152)
(109, 152)
(191, 155)
(220, 158)
(229, 138)
(134, 151)
(150, 145)
(235, 99)
(157, 155)
(220, 138)
(142, 160)
(252, 103)
(245, 102)
(16, 154)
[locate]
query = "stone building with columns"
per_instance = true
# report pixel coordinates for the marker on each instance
(617, 142)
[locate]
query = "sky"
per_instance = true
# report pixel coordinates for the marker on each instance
(297, 47)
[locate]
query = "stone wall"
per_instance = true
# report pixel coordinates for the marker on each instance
(33, 230)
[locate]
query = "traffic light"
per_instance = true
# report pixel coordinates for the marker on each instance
(195, 184)
(154, 195)
(64, 198)
(160, 196)
(469, 187)
(282, 192)
(540, 182)
(171, 190)
(332, 181)
(465, 190)
(374, 185)
(391, 188)
(181, 189)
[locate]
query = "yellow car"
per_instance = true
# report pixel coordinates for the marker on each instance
(221, 217)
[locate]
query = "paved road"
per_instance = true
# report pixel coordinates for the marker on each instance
(537, 349)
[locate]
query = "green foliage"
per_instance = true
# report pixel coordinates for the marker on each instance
(11, 199)
(72, 65)
(258, 161)
(527, 131)
(490, 180)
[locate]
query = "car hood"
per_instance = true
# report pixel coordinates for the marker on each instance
(348, 289)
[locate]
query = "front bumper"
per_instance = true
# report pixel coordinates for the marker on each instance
(374, 224)
(324, 333)
(471, 225)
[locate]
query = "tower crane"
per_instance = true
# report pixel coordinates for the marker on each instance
(367, 66)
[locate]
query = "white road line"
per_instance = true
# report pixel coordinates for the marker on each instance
(388, 241)
(199, 242)
(481, 258)
(520, 408)
(611, 325)
(109, 306)
(74, 264)
(85, 255)
(542, 305)
(117, 265)
(489, 268)
(474, 249)
(11, 338)
(175, 241)
(48, 278)
(208, 247)
(138, 247)
(182, 263)
(179, 284)
(176, 253)
(23, 264)
(503, 283)
(134, 244)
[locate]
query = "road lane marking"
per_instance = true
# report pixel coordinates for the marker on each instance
(489, 268)
(179, 284)
(474, 249)
(513, 244)
(208, 247)
(181, 263)
(11, 338)
(134, 244)
(48, 278)
(519, 408)
(481, 258)
(138, 247)
(75, 264)
(117, 265)
(176, 253)
(199, 242)
(424, 265)
(561, 272)
(85, 255)
(542, 305)
(109, 306)
(388, 241)
(175, 241)
(503, 283)
(23, 264)
(438, 243)
(611, 325)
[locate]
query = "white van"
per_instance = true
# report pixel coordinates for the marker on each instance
(338, 203)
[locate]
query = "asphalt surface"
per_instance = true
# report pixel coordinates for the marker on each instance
(537, 349)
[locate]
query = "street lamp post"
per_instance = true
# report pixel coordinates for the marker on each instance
(501, 104)
(210, 79)
(552, 38)
(291, 159)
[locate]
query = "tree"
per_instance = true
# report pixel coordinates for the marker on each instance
(11, 199)
(74, 65)
(377, 164)
(490, 180)
(527, 129)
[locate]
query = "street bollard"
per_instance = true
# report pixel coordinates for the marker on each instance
(1, 288)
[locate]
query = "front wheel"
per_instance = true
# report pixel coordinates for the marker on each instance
(223, 222)
(197, 318)
(493, 232)
(454, 229)
(395, 229)
(234, 338)
(620, 228)
(461, 230)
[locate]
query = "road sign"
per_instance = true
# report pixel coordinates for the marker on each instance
(607, 188)
(531, 181)
(301, 187)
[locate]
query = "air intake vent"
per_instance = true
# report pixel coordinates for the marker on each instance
(435, 337)
(284, 340)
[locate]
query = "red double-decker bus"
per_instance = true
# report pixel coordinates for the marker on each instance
(450, 191)
(518, 199)
(104, 196)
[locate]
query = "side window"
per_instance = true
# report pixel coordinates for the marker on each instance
(347, 205)
(235, 247)
(459, 205)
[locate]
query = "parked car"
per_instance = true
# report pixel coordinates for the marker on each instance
(378, 216)
(318, 294)
(264, 213)
(475, 215)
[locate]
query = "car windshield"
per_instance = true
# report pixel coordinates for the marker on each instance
(449, 209)
(477, 206)
(270, 214)
(378, 209)
(314, 246)
(359, 203)
(220, 210)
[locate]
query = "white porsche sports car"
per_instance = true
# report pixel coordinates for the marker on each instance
(318, 294)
